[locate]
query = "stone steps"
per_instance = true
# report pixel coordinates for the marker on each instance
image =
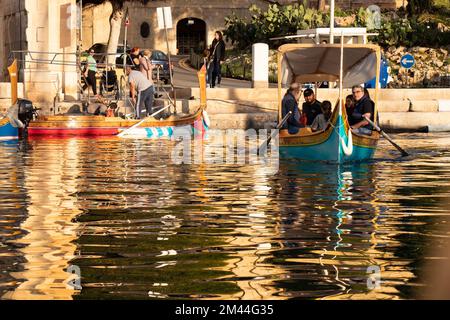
(271, 94)
(244, 121)
(238, 106)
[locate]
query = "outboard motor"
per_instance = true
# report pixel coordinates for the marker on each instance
(26, 111)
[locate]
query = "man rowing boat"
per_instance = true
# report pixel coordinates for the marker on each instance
(290, 104)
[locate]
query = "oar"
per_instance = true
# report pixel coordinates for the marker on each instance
(267, 142)
(125, 132)
(402, 151)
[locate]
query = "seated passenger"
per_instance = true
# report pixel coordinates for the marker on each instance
(311, 107)
(364, 107)
(349, 105)
(321, 121)
(290, 103)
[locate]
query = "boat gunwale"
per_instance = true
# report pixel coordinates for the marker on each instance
(317, 138)
(4, 121)
(83, 121)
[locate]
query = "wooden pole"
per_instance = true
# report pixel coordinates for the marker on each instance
(266, 144)
(316, 89)
(341, 75)
(202, 83)
(12, 69)
(125, 49)
(170, 63)
(341, 89)
(332, 22)
(280, 98)
(384, 134)
(377, 83)
(125, 55)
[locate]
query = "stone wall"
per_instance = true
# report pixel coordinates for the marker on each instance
(13, 23)
(212, 12)
(352, 4)
(385, 4)
(96, 20)
(40, 26)
(432, 68)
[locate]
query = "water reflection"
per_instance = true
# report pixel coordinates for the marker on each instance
(13, 212)
(140, 227)
(50, 177)
(332, 242)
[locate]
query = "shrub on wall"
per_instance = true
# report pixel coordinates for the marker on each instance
(401, 28)
(276, 21)
(409, 32)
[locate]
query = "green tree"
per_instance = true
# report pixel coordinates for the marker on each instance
(416, 7)
(276, 21)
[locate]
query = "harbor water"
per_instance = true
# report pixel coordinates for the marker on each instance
(128, 223)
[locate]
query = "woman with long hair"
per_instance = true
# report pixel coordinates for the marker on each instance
(217, 58)
(90, 73)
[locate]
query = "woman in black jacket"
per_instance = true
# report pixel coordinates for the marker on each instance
(217, 58)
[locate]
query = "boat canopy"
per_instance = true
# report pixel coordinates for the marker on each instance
(305, 63)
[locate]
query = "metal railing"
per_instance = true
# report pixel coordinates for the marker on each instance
(32, 60)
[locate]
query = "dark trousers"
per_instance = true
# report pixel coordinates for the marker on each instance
(209, 71)
(216, 73)
(145, 102)
(91, 81)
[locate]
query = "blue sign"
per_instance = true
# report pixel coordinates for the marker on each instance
(384, 75)
(407, 61)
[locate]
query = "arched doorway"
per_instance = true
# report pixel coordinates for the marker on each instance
(191, 34)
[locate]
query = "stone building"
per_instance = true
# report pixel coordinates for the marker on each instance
(53, 26)
(40, 26)
(194, 21)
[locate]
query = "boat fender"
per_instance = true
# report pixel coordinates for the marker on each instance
(347, 148)
(206, 118)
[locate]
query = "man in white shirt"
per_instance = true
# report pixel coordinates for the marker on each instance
(142, 91)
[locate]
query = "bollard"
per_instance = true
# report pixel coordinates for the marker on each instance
(260, 59)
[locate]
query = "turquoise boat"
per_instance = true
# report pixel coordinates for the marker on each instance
(7, 130)
(347, 64)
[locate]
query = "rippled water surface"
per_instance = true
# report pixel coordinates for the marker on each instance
(140, 227)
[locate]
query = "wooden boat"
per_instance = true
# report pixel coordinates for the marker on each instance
(7, 130)
(96, 126)
(347, 64)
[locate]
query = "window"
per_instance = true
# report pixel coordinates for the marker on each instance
(145, 30)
